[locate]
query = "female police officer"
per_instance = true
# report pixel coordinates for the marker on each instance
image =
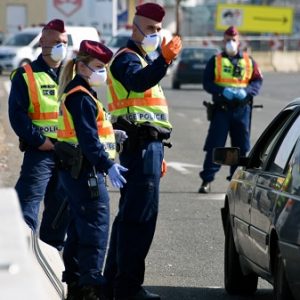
(86, 148)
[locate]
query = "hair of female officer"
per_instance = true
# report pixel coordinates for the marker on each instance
(71, 66)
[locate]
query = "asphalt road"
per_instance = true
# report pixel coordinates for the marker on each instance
(186, 258)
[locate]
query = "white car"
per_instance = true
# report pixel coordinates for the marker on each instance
(23, 47)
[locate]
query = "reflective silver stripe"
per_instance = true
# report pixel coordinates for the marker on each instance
(147, 116)
(109, 146)
(47, 129)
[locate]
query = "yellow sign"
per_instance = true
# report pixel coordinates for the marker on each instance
(254, 18)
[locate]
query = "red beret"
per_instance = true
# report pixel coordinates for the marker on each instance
(231, 31)
(57, 25)
(96, 50)
(151, 11)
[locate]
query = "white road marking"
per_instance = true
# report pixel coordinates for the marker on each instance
(179, 114)
(182, 167)
(212, 196)
(197, 121)
(7, 86)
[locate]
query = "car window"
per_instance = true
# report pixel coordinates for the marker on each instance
(260, 152)
(292, 181)
(198, 54)
(283, 152)
(118, 41)
(20, 39)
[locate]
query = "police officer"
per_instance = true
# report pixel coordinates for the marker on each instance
(85, 126)
(33, 112)
(138, 105)
(233, 78)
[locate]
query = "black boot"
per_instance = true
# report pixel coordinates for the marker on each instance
(73, 291)
(141, 295)
(90, 292)
(204, 188)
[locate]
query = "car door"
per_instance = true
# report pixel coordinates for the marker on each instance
(268, 187)
(242, 186)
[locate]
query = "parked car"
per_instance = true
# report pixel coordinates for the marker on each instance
(190, 65)
(261, 215)
(23, 47)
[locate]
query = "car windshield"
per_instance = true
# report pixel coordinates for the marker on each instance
(198, 54)
(118, 41)
(20, 39)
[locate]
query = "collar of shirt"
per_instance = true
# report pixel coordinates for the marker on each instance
(79, 80)
(54, 73)
(238, 55)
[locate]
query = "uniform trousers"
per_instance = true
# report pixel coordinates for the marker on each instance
(134, 226)
(87, 235)
(236, 122)
(39, 180)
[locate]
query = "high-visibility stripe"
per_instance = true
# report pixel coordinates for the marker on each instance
(137, 102)
(68, 131)
(43, 116)
(112, 90)
(232, 80)
(247, 65)
(109, 81)
(33, 92)
(219, 67)
(147, 93)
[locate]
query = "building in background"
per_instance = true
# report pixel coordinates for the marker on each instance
(195, 17)
(17, 14)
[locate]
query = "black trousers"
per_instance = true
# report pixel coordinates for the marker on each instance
(134, 226)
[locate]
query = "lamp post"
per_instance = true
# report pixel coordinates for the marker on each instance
(177, 17)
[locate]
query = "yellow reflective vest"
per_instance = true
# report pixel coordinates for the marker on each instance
(138, 107)
(66, 131)
(224, 71)
(43, 103)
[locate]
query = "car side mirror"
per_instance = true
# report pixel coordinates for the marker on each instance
(228, 156)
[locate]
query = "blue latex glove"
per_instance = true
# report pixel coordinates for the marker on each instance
(117, 180)
(241, 94)
(120, 136)
(229, 93)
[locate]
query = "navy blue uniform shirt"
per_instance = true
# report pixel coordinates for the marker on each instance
(84, 113)
(127, 69)
(216, 90)
(19, 103)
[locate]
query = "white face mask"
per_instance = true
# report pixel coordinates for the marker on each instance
(231, 47)
(98, 77)
(59, 52)
(150, 42)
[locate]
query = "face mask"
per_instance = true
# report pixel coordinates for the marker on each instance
(231, 47)
(98, 77)
(150, 42)
(58, 52)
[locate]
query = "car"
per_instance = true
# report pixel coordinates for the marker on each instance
(261, 214)
(30, 268)
(190, 65)
(23, 47)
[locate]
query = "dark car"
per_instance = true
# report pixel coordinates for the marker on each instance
(190, 65)
(261, 215)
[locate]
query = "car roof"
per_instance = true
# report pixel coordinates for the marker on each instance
(294, 102)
